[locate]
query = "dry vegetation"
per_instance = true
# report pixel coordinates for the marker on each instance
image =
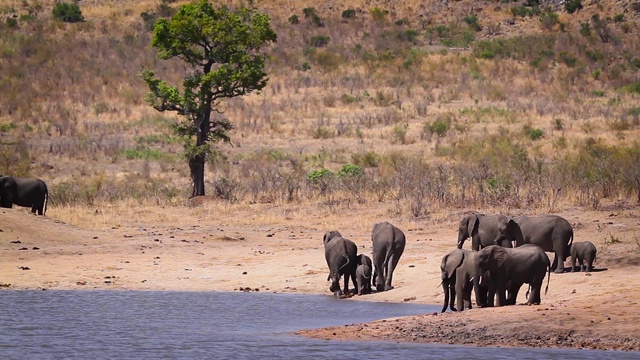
(459, 104)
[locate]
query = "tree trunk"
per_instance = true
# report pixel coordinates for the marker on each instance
(196, 165)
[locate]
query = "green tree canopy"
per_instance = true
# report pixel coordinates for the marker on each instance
(222, 48)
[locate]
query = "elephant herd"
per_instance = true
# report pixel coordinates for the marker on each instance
(343, 260)
(27, 192)
(505, 254)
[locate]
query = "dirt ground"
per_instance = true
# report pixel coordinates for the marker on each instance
(213, 247)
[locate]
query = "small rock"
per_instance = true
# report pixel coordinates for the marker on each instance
(36, 248)
(244, 273)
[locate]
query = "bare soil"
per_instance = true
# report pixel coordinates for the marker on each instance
(213, 247)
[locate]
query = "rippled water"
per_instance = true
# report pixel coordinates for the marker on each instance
(213, 325)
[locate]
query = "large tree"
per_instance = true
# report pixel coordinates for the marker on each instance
(222, 50)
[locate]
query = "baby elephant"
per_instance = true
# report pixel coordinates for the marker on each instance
(583, 252)
(363, 274)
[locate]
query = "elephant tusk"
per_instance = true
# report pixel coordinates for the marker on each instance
(471, 280)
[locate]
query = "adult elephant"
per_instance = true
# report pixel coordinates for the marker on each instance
(388, 246)
(27, 192)
(485, 230)
(510, 268)
(551, 233)
(457, 270)
(340, 254)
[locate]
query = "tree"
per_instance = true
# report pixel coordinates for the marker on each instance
(222, 49)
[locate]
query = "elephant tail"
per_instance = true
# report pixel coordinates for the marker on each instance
(346, 255)
(46, 201)
(548, 278)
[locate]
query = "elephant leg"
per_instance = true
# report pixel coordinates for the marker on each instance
(391, 266)
(590, 264)
(558, 260)
(554, 264)
(534, 296)
(513, 293)
(346, 283)
(501, 290)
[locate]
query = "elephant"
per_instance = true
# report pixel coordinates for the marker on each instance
(457, 269)
(583, 251)
(486, 230)
(509, 268)
(340, 254)
(363, 274)
(388, 246)
(27, 192)
(551, 233)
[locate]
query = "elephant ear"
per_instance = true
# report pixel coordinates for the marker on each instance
(452, 262)
(500, 256)
(472, 224)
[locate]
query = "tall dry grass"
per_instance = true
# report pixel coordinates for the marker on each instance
(536, 118)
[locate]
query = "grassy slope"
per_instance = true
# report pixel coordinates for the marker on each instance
(74, 98)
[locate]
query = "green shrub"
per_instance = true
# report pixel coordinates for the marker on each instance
(317, 176)
(439, 126)
(472, 21)
(524, 11)
(618, 18)
(548, 20)
(568, 59)
(349, 14)
(632, 88)
(311, 14)
(293, 19)
(12, 23)
(319, 40)
(142, 152)
(6, 127)
(409, 35)
(558, 124)
(572, 6)
(533, 133)
(379, 14)
(350, 170)
(585, 29)
(322, 132)
(67, 12)
(402, 22)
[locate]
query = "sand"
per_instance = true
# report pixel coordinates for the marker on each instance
(271, 248)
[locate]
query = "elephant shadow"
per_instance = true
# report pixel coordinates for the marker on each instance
(577, 270)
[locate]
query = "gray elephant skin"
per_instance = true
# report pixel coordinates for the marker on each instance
(388, 246)
(510, 268)
(363, 274)
(485, 230)
(340, 254)
(457, 270)
(27, 192)
(585, 253)
(551, 233)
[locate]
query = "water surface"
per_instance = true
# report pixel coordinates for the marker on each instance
(214, 325)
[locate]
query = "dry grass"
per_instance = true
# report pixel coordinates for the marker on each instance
(80, 118)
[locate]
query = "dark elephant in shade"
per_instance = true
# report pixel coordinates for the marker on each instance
(510, 268)
(341, 256)
(551, 233)
(585, 253)
(485, 230)
(27, 192)
(457, 270)
(363, 274)
(388, 246)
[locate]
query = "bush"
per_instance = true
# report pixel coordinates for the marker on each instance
(572, 6)
(472, 21)
(548, 20)
(349, 14)
(533, 133)
(67, 12)
(319, 40)
(12, 23)
(350, 170)
(378, 14)
(293, 19)
(317, 176)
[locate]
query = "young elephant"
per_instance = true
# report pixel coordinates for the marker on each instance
(583, 251)
(363, 274)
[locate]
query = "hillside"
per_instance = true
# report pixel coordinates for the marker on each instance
(490, 103)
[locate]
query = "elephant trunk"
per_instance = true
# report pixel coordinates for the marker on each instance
(445, 288)
(461, 238)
